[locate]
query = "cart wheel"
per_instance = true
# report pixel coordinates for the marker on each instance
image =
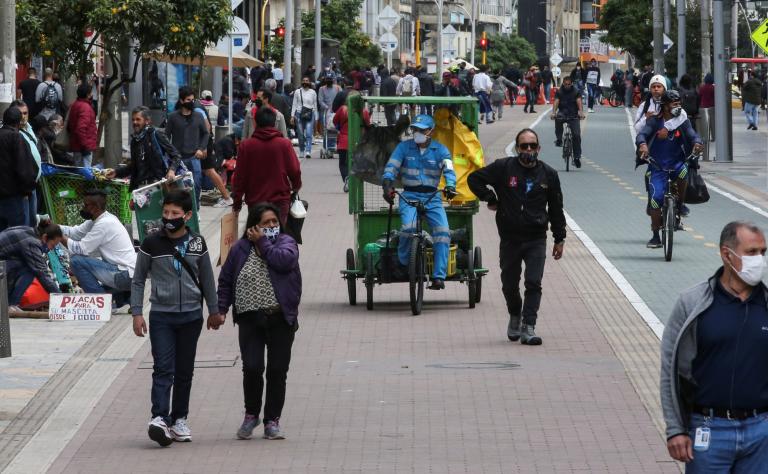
(369, 281)
(471, 281)
(416, 275)
(478, 279)
(351, 289)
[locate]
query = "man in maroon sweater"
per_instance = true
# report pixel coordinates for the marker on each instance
(267, 167)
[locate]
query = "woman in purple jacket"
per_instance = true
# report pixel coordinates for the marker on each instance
(262, 281)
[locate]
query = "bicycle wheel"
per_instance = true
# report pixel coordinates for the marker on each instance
(471, 282)
(668, 226)
(479, 279)
(417, 277)
(369, 282)
(614, 100)
(351, 289)
(567, 149)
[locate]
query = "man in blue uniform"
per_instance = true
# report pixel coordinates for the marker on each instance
(420, 162)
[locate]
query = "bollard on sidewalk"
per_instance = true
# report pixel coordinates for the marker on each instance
(5, 326)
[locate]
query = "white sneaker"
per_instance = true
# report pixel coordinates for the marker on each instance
(307, 156)
(223, 203)
(180, 431)
(159, 432)
(14, 309)
(591, 111)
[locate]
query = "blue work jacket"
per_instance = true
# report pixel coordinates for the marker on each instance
(420, 169)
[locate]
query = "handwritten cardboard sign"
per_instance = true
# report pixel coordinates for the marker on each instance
(228, 236)
(80, 307)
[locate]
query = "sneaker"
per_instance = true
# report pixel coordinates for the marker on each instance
(437, 284)
(223, 203)
(14, 309)
(246, 429)
(307, 156)
(685, 211)
(528, 336)
(346, 185)
(577, 162)
(180, 431)
(159, 432)
(558, 143)
(513, 328)
(591, 111)
(654, 243)
(272, 430)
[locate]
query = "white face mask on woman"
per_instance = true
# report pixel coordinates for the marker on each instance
(752, 268)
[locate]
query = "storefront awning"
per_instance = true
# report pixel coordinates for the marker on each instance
(213, 58)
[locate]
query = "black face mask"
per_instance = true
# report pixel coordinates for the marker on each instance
(305, 86)
(258, 102)
(86, 215)
(173, 225)
(567, 87)
(188, 105)
(528, 157)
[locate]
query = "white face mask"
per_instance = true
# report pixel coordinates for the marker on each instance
(271, 232)
(420, 138)
(752, 268)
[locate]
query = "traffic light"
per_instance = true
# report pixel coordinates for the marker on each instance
(484, 44)
(423, 32)
(279, 31)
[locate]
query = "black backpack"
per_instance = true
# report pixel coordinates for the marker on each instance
(690, 101)
(51, 99)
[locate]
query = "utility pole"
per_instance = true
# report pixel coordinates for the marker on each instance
(417, 45)
(318, 41)
(439, 35)
(473, 35)
(287, 43)
(668, 16)
(298, 58)
(722, 96)
(8, 51)
(681, 46)
(658, 37)
(734, 32)
(706, 38)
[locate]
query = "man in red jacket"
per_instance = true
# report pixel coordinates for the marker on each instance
(81, 125)
(267, 167)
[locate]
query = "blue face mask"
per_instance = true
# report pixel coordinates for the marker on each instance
(271, 232)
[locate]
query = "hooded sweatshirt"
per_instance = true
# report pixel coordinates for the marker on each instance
(267, 169)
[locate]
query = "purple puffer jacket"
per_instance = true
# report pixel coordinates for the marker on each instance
(282, 258)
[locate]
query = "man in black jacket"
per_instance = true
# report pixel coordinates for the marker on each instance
(527, 199)
(152, 155)
(389, 89)
(427, 87)
(18, 172)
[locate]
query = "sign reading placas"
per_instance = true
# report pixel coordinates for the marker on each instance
(80, 307)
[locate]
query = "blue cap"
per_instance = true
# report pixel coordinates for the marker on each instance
(423, 121)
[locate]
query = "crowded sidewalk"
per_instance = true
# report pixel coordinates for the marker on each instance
(382, 390)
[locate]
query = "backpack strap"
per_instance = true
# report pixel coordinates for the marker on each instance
(177, 255)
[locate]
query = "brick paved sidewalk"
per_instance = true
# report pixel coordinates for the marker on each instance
(384, 391)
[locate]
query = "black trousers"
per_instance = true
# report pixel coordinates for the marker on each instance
(390, 113)
(575, 133)
(257, 332)
(512, 256)
(343, 164)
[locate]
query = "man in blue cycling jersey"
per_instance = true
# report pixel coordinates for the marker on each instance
(419, 163)
(669, 149)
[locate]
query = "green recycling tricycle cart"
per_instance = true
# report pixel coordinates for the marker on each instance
(374, 255)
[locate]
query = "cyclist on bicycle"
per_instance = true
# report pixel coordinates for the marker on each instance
(669, 150)
(568, 108)
(419, 163)
(651, 106)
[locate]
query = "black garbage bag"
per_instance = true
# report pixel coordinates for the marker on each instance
(374, 150)
(696, 192)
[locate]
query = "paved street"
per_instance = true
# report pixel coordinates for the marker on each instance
(383, 391)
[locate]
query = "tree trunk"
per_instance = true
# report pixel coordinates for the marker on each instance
(111, 117)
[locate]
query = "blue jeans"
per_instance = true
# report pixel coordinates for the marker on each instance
(307, 131)
(20, 276)
(438, 223)
(85, 159)
(547, 88)
(193, 165)
(751, 111)
(97, 276)
(174, 345)
(485, 104)
(14, 211)
(736, 446)
(594, 93)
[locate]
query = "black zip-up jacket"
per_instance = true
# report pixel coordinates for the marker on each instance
(147, 164)
(523, 214)
(19, 170)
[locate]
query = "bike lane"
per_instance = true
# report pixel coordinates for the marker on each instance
(607, 199)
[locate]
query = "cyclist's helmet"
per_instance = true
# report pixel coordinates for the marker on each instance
(670, 96)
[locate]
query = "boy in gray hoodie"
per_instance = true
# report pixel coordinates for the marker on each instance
(182, 276)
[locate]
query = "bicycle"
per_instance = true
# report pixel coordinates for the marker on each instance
(615, 99)
(670, 212)
(567, 141)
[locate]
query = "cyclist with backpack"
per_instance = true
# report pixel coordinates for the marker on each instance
(152, 155)
(49, 96)
(669, 149)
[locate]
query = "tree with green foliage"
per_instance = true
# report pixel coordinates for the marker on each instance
(56, 30)
(505, 49)
(339, 21)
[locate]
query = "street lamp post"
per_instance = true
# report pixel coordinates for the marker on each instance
(439, 4)
(472, 35)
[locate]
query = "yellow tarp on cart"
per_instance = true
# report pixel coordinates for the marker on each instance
(465, 149)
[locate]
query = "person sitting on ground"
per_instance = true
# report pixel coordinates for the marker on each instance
(103, 234)
(24, 250)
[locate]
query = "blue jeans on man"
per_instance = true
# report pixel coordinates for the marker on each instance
(97, 276)
(14, 211)
(547, 89)
(193, 164)
(751, 111)
(20, 276)
(735, 445)
(594, 94)
(305, 130)
(438, 223)
(173, 337)
(485, 105)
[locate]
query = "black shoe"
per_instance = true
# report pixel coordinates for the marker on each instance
(528, 336)
(684, 211)
(577, 162)
(513, 328)
(558, 143)
(437, 284)
(533, 111)
(654, 243)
